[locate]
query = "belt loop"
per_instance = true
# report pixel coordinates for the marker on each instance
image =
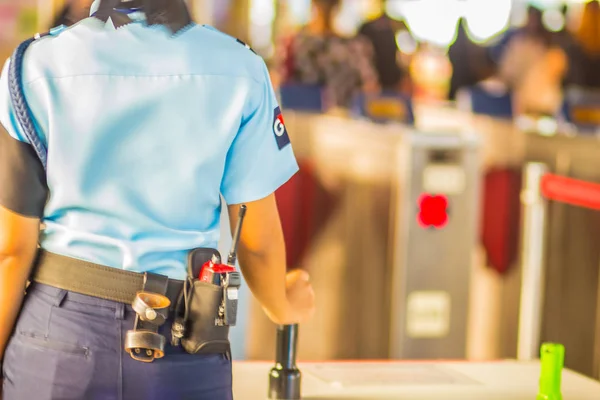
(60, 297)
(120, 311)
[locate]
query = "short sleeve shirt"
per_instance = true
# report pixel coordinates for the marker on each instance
(145, 132)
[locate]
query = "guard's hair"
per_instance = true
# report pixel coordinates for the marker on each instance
(173, 14)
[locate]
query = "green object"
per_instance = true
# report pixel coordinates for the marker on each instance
(552, 361)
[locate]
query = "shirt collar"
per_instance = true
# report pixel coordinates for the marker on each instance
(94, 7)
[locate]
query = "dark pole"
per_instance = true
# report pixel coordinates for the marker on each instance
(285, 378)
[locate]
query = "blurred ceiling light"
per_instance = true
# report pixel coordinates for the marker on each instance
(299, 11)
(349, 17)
(433, 21)
(486, 18)
(546, 4)
(395, 9)
(369, 9)
(553, 20)
(262, 15)
(261, 36)
(430, 65)
(547, 126)
(262, 12)
(406, 43)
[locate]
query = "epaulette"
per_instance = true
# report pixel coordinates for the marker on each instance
(57, 30)
(245, 45)
(212, 28)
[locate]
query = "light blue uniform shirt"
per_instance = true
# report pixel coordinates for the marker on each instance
(144, 132)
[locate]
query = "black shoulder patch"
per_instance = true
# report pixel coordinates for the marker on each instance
(245, 45)
(24, 188)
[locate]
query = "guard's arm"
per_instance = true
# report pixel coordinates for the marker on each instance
(23, 194)
(18, 247)
(259, 161)
(262, 255)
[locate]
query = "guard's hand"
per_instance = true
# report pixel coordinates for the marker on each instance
(301, 296)
(300, 300)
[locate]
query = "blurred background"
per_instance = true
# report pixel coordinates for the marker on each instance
(423, 129)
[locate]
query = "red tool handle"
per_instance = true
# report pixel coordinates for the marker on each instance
(210, 270)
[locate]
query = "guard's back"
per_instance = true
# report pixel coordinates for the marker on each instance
(138, 125)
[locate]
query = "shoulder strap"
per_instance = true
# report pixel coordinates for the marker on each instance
(17, 96)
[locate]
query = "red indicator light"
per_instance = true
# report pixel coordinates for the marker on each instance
(433, 211)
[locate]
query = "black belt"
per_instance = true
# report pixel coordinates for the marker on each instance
(150, 295)
(94, 280)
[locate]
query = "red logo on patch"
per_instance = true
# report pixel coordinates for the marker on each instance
(281, 135)
(279, 125)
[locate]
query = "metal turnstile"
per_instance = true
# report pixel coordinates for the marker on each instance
(435, 224)
(569, 254)
(387, 287)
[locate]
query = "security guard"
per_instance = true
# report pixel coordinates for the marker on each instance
(146, 119)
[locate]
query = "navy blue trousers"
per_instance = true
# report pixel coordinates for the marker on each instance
(68, 346)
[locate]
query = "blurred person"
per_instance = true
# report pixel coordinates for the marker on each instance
(488, 82)
(144, 121)
(535, 73)
(534, 26)
(533, 30)
(521, 48)
(467, 59)
(381, 33)
(540, 92)
(533, 67)
(72, 12)
(317, 55)
(588, 41)
(567, 41)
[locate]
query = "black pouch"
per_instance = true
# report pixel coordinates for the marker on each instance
(198, 310)
(204, 335)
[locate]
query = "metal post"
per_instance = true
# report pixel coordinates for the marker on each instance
(532, 261)
(597, 335)
(285, 378)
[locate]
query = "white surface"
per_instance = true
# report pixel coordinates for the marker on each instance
(505, 380)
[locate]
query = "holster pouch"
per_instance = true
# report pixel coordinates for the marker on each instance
(151, 305)
(204, 311)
